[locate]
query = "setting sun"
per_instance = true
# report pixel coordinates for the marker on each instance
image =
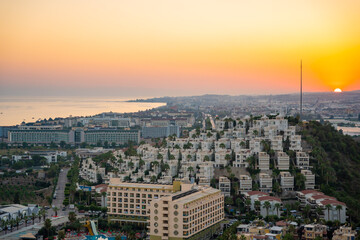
(337, 90)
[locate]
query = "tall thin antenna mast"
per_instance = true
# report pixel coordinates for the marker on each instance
(300, 89)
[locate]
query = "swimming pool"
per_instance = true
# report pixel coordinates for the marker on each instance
(99, 236)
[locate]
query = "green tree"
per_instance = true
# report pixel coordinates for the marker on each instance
(33, 216)
(328, 208)
(72, 217)
(47, 225)
(267, 205)
(257, 205)
(277, 206)
(61, 234)
(339, 208)
(17, 220)
(55, 209)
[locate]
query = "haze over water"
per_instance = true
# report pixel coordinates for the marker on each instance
(15, 110)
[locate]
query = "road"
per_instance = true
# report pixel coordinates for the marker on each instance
(60, 188)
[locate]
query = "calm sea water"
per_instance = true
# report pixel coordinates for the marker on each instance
(15, 110)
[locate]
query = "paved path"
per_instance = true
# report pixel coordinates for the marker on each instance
(60, 188)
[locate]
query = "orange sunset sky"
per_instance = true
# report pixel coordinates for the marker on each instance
(156, 48)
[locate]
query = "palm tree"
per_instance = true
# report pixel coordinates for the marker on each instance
(206, 158)
(190, 169)
(4, 225)
(257, 205)
(56, 210)
(47, 226)
(12, 224)
(319, 210)
(339, 208)
(153, 179)
(43, 213)
(33, 216)
(307, 210)
(222, 145)
(26, 219)
(39, 216)
(248, 203)
(267, 205)
(17, 220)
(328, 207)
(277, 206)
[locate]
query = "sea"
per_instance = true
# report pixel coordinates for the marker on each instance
(15, 110)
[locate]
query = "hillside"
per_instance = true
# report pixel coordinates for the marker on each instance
(336, 161)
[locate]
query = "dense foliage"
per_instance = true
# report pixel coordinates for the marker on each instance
(336, 161)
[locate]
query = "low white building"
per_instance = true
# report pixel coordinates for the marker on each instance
(286, 181)
(309, 179)
(265, 182)
(245, 184)
(302, 160)
(282, 161)
(295, 143)
(264, 161)
(241, 157)
(225, 186)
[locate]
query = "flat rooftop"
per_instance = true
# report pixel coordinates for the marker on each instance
(116, 182)
(198, 194)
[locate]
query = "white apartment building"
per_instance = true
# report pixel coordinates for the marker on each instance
(206, 169)
(263, 161)
(241, 157)
(277, 143)
(265, 181)
(89, 170)
(245, 184)
(225, 186)
(222, 158)
(309, 179)
(291, 131)
(286, 181)
(255, 145)
(302, 160)
(270, 132)
(238, 144)
(295, 143)
(282, 161)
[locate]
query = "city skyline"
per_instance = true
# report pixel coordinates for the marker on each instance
(141, 48)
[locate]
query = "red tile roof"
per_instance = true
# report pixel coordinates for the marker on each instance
(332, 202)
(269, 198)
